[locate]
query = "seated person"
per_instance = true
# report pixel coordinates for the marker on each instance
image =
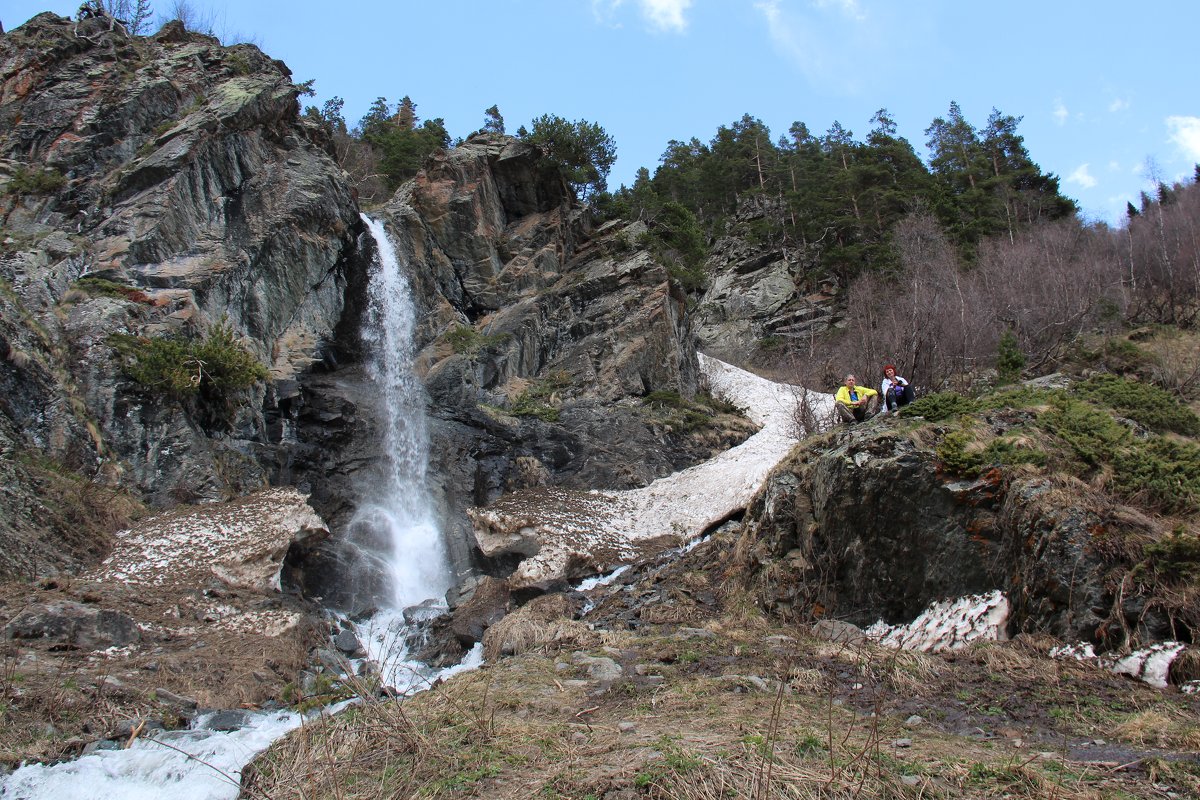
(855, 403)
(895, 390)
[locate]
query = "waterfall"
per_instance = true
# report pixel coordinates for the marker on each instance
(398, 547)
(400, 557)
(396, 557)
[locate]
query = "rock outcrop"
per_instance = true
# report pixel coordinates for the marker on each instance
(158, 186)
(761, 295)
(863, 524)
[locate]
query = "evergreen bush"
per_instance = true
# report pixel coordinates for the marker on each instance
(940, 406)
(208, 371)
(1009, 358)
(1144, 403)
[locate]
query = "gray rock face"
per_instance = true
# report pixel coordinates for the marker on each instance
(759, 292)
(187, 176)
(869, 528)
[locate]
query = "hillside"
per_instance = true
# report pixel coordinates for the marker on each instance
(205, 381)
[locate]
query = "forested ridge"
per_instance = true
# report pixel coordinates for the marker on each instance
(934, 260)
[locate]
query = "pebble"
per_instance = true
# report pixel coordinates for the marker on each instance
(902, 743)
(910, 780)
(914, 721)
(626, 727)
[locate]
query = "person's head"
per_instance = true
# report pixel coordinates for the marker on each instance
(889, 371)
(850, 381)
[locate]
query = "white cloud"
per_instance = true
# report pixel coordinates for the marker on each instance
(1060, 113)
(1118, 104)
(666, 15)
(663, 15)
(849, 7)
(1082, 177)
(1185, 133)
(1114, 166)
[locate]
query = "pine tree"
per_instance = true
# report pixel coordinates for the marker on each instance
(493, 121)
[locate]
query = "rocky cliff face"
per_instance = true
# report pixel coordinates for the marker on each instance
(155, 187)
(540, 339)
(761, 294)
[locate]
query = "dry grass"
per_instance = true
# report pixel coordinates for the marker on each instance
(533, 726)
(1161, 728)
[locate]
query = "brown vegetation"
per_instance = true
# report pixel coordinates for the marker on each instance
(940, 321)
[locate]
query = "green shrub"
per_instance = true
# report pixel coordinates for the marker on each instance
(27, 180)
(1092, 435)
(940, 406)
(665, 398)
(1009, 358)
(538, 398)
(1161, 473)
(212, 367)
(1144, 403)
(1019, 397)
(1175, 557)
(528, 405)
(101, 287)
(1122, 355)
(959, 458)
(1157, 472)
(465, 340)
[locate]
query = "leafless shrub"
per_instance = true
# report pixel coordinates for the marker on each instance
(808, 416)
(940, 321)
(1159, 253)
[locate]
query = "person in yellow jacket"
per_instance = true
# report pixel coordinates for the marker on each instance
(855, 403)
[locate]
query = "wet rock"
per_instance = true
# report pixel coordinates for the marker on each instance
(487, 606)
(227, 720)
(142, 725)
(347, 642)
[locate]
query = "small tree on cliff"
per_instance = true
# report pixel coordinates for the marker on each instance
(493, 121)
(582, 149)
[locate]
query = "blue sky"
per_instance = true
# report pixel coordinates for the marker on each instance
(1107, 89)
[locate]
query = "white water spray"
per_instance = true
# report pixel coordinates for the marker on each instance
(399, 522)
(397, 526)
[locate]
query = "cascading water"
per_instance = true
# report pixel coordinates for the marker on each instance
(394, 535)
(396, 558)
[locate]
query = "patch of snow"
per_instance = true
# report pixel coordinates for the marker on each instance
(1151, 664)
(555, 527)
(242, 542)
(601, 580)
(948, 625)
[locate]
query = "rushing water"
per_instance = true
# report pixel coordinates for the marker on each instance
(396, 561)
(394, 533)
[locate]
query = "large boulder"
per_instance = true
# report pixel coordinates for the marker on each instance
(73, 624)
(863, 524)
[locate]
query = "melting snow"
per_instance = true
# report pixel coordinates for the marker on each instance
(556, 526)
(1150, 664)
(948, 625)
